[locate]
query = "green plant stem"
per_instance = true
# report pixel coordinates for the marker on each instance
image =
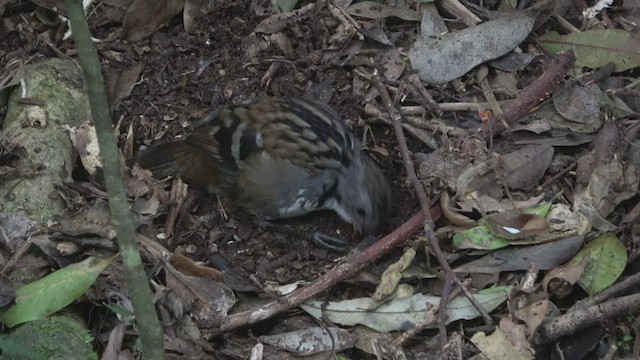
(137, 283)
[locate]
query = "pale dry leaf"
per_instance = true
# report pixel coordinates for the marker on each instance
(311, 341)
(278, 22)
(449, 56)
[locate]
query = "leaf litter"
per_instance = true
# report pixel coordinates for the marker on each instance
(576, 152)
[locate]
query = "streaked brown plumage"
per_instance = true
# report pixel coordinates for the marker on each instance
(278, 158)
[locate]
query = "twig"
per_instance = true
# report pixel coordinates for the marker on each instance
(418, 133)
(531, 96)
(429, 319)
(487, 91)
(402, 141)
(347, 21)
(353, 264)
(20, 253)
(613, 290)
(456, 8)
(419, 92)
(424, 203)
(558, 175)
(458, 106)
(571, 322)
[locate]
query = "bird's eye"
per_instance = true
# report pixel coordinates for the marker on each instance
(360, 212)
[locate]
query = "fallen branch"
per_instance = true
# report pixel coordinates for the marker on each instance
(571, 322)
(450, 276)
(530, 97)
(353, 263)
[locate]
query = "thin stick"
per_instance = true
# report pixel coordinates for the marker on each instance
(351, 266)
(531, 96)
(424, 203)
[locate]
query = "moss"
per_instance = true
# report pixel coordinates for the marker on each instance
(56, 337)
(49, 155)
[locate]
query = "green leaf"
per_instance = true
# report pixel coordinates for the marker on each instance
(120, 310)
(12, 348)
(483, 238)
(595, 48)
(540, 210)
(479, 237)
(53, 292)
(606, 259)
(285, 6)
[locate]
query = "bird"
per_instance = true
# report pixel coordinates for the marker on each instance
(278, 158)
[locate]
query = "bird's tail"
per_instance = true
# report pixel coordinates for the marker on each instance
(163, 159)
(194, 165)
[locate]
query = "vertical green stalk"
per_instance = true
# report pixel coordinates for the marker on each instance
(151, 335)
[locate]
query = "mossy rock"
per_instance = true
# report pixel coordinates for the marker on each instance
(55, 98)
(56, 338)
